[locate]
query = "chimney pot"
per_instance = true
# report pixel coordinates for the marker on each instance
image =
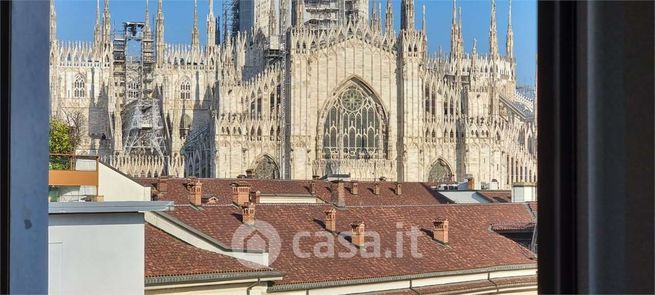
(376, 188)
(354, 189)
(358, 230)
(338, 193)
(331, 220)
(399, 187)
(471, 183)
(248, 213)
(258, 197)
(312, 187)
(196, 192)
(240, 193)
(162, 184)
(440, 230)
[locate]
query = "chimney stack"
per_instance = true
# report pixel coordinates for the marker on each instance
(338, 193)
(331, 220)
(249, 173)
(257, 197)
(196, 192)
(240, 193)
(312, 187)
(399, 187)
(358, 230)
(354, 189)
(248, 213)
(471, 183)
(376, 188)
(162, 184)
(440, 230)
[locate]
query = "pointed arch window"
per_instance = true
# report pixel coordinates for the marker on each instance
(266, 168)
(440, 172)
(355, 127)
(185, 89)
(79, 87)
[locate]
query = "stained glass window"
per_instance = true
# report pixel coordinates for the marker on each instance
(354, 127)
(440, 172)
(266, 168)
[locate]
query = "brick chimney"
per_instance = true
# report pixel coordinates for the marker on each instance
(376, 188)
(162, 184)
(331, 220)
(399, 188)
(248, 213)
(440, 230)
(256, 197)
(240, 193)
(196, 192)
(358, 230)
(354, 187)
(338, 193)
(312, 187)
(471, 183)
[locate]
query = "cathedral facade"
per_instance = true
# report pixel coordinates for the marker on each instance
(312, 88)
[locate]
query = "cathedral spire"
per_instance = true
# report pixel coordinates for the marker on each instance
(299, 13)
(106, 22)
(97, 32)
(423, 27)
(407, 16)
(374, 16)
(211, 25)
(509, 45)
(272, 21)
(388, 22)
(159, 32)
(454, 34)
(146, 27)
(379, 20)
(53, 24)
(195, 36)
(493, 40)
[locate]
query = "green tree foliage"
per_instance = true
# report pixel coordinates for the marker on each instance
(61, 141)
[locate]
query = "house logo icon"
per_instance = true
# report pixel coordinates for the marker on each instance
(260, 241)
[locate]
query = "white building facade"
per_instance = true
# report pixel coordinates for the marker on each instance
(312, 89)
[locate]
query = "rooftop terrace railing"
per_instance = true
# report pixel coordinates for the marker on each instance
(73, 171)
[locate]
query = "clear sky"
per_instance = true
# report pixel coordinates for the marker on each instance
(75, 20)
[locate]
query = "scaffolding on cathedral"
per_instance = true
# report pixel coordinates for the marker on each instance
(143, 129)
(230, 18)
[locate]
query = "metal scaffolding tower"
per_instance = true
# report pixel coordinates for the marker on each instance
(231, 18)
(143, 128)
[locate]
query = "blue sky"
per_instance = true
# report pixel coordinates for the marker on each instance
(75, 20)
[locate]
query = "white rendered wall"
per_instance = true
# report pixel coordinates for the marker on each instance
(118, 187)
(524, 194)
(96, 253)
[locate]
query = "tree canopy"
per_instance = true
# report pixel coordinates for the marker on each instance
(62, 141)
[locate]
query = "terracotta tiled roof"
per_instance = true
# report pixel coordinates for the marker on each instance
(471, 242)
(533, 207)
(413, 193)
(492, 284)
(513, 226)
(497, 196)
(165, 255)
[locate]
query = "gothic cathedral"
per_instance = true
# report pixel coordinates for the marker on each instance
(296, 89)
